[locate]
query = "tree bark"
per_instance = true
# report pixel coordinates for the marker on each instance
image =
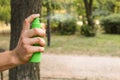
(20, 9)
(88, 8)
(48, 23)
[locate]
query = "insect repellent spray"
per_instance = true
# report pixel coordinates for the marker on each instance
(36, 57)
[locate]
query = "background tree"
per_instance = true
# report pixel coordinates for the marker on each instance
(48, 10)
(88, 29)
(106, 7)
(20, 9)
(47, 4)
(79, 7)
(88, 8)
(5, 11)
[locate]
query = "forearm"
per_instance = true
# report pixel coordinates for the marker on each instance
(7, 60)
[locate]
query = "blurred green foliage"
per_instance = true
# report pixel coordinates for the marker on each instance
(72, 7)
(5, 11)
(68, 27)
(64, 24)
(111, 23)
(104, 7)
(79, 7)
(88, 30)
(100, 7)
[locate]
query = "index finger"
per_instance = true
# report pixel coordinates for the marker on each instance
(31, 18)
(28, 21)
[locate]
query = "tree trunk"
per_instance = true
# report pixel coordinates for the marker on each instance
(88, 8)
(20, 9)
(48, 23)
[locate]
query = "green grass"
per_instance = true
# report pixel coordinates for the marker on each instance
(4, 41)
(100, 45)
(103, 44)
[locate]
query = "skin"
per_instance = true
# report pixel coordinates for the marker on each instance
(24, 50)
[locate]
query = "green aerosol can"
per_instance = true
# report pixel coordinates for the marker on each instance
(36, 57)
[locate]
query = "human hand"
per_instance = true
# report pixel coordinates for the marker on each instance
(25, 49)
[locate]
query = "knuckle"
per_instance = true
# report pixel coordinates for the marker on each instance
(23, 40)
(26, 21)
(35, 30)
(32, 16)
(41, 49)
(44, 33)
(38, 39)
(40, 32)
(26, 49)
(42, 42)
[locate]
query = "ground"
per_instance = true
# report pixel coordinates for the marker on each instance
(63, 64)
(72, 67)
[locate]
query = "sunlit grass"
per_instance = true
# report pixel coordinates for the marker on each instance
(4, 28)
(4, 41)
(102, 44)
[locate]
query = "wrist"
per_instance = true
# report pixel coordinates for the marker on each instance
(14, 58)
